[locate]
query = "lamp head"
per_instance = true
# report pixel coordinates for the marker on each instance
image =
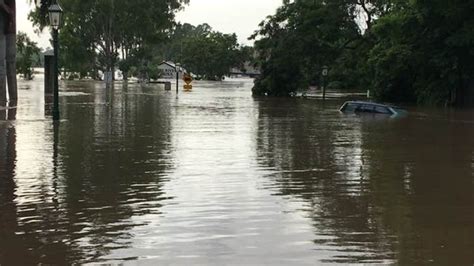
(55, 15)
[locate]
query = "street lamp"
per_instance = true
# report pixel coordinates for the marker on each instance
(325, 74)
(55, 16)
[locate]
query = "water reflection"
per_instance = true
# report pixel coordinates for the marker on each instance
(425, 195)
(377, 190)
(76, 204)
(8, 216)
(217, 177)
(114, 156)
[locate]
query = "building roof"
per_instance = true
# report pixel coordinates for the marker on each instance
(171, 65)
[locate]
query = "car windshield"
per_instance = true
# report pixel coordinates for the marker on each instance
(362, 107)
(350, 107)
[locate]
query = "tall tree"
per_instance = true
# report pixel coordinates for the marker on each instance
(114, 29)
(299, 39)
(404, 51)
(27, 54)
(424, 52)
(211, 55)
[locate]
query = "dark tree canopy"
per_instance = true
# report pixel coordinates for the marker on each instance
(206, 53)
(136, 36)
(403, 51)
(100, 32)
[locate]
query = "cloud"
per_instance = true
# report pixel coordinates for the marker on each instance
(230, 16)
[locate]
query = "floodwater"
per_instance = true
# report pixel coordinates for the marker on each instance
(134, 175)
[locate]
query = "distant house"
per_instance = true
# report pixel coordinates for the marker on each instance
(248, 70)
(168, 70)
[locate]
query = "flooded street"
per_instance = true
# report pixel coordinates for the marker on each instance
(215, 177)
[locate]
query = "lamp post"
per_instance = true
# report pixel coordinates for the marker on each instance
(55, 15)
(325, 74)
(177, 67)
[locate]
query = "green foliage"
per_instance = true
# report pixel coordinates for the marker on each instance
(28, 54)
(97, 34)
(74, 55)
(424, 53)
(403, 51)
(210, 55)
(125, 65)
(206, 53)
(302, 37)
(104, 34)
(40, 15)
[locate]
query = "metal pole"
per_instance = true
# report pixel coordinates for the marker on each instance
(56, 75)
(324, 87)
(177, 80)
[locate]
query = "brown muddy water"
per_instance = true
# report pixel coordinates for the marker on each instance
(134, 175)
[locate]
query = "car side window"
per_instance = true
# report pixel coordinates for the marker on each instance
(367, 108)
(382, 110)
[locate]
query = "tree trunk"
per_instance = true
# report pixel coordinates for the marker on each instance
(110, 37)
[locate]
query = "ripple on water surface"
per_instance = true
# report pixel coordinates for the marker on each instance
(137, 175)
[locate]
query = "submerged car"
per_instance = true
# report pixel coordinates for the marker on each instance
(370, 107)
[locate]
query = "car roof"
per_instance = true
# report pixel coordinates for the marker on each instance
(370, 103)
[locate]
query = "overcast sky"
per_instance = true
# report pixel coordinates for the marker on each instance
(228, 16)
